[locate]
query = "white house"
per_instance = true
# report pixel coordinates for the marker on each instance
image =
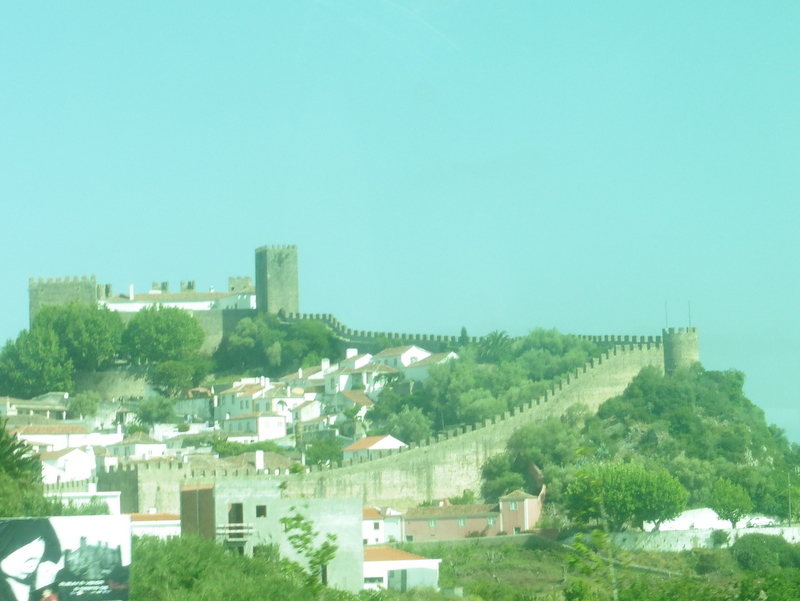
(401, 356)
(390, 568)
(67, 465)
(381, 526)
(266, 425)
(368, 446)
(255, 395)
(348, 399)
(52, 406)
(306, 411)
(236, 297)
(418, 370)
(160, 525)
(138, 446)
(56, 436)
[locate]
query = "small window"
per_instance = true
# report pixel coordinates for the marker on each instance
(462, 521)
(373, 580)
(512, 505)
(261, 511)
(432, 523)
(517, 529)
(409, 538)
(490, 521)
(376, 525)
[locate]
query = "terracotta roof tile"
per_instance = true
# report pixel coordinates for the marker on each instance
(381, 553)
(358, 397)
(372, 513)
(365, 443)
(154, 517)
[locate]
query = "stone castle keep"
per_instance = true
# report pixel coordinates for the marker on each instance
(429, 469)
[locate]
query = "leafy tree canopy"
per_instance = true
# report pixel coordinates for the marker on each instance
(91, 335)
(157, 334)
(156, 410)
(83, 404)
(33, 364)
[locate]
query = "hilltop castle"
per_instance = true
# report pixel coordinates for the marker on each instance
(276, 290)
(434, 468)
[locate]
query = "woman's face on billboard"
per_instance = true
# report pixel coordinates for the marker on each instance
(23, 562)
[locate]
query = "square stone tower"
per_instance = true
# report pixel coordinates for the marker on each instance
(276, 279)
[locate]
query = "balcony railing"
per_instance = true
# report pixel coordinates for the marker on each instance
(235, 533)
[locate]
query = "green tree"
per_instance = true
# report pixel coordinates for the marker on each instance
(255, 343)
(498, 479)
(494, 347)
(409, 425)
(83, 405)
(90, 335)
(173, 376)
(730, 501)
(624, 493)
(323, 451)
(20, 478)
(304, 540)
(16, 458)
(33, 364)
(661, 497)
(307, 343)
(156, 410)
(157, 334)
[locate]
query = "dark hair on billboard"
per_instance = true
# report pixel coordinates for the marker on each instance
(15, 534)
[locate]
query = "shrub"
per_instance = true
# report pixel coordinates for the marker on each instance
(761, 552)
(720, 538)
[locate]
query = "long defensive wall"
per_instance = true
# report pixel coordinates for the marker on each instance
(439, 467)
(451, 463)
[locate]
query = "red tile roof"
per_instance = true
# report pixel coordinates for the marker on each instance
(382, 553)
(365, 443)
(371, 513)
(154, 517)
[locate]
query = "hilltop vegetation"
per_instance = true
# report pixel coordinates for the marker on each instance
(694, 426)
(490, 377)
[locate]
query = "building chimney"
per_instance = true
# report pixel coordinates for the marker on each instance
(260, 461)
(326, 363)
(351, 352)
(130, 292)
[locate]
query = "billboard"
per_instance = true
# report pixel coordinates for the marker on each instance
(75, 558)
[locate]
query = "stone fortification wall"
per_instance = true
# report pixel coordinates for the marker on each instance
(219, 323)
(681, 348)
(277, 282)
(451, 463)
(368, 337)
(63, 291)
(156, 484)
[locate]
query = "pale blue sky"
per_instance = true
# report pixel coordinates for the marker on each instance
(573, 165)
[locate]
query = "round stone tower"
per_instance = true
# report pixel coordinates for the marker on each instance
(681, 348)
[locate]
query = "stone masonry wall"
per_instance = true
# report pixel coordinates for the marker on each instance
(435, 468)
(450, 464)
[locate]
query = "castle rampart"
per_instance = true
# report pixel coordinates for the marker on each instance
(451, 463)
(438, 467)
